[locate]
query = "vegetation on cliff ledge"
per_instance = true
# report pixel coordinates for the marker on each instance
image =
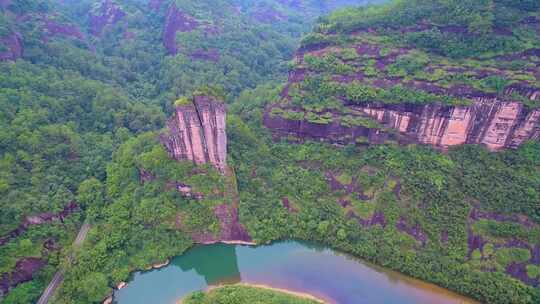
(419, 52)
(81, 109)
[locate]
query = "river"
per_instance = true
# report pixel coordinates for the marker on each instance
(296, 266)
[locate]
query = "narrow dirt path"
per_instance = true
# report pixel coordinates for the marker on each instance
(59, 276)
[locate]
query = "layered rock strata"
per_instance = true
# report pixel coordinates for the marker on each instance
(332, 132)
(496, 125)
(196, 132)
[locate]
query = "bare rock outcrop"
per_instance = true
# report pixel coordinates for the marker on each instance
(197, 132)
(105, 14)
(176, 21)
(12, 47)
(332, 132)
(24, 271)
(495, 124)
(490, 122)
(231, 230)
(39, 219)
(54, 28)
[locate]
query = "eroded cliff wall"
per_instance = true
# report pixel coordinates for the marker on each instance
(197, 132)
(496, 125)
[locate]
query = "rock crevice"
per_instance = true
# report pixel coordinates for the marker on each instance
(495, 124)
(197, 132)
(489, 122)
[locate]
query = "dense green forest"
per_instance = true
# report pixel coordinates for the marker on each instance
(86, 88)
(76, 94)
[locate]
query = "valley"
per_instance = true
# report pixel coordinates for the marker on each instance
(393, 145)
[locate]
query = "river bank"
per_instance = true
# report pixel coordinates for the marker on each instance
(297, 294)
(306, 268)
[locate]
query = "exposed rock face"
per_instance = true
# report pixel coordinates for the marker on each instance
(13, 47)
(38, 220)
(145, 176)
(231, 230)
(377, 218)
(108, 13)
(496, 125)
(287, 205)
(197, 132)
(475, 242)
(333, 132)
(25, 270)
(54, 28)
(519, 271)
(176, 21)
(185, 190)
(477, 214)
(415, 231)
(497, 119)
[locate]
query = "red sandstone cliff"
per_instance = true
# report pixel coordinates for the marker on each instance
(495, 124)
(176, 21)
(196, 132)
(104, 14)
(489, 122)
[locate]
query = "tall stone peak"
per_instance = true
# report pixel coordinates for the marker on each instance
(197, 132)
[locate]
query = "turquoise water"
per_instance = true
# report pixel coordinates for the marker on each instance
(334, 277)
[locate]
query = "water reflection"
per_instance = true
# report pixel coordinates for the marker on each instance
(303, 267)
(218, 266)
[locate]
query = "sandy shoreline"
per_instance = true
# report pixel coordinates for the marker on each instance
(230, 243)
(298, 294)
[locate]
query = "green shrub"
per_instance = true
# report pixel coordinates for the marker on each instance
(533, 271)
(505, 256)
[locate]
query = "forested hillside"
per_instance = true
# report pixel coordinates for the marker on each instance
(377, 144)
(79, 78)
(383, 84)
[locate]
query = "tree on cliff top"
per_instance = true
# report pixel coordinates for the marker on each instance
(209, 90)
